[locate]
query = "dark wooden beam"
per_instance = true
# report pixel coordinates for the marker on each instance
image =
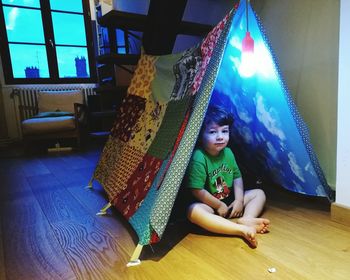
(164, 20)
(124, 20)
(195, 29)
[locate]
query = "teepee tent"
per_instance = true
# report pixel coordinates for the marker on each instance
(145, 158)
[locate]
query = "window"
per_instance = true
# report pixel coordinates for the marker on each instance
(46, 41)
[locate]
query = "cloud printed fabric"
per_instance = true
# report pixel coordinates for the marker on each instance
(144, 160)
(269, 136)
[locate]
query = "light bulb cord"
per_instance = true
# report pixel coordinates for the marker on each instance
(246, 14)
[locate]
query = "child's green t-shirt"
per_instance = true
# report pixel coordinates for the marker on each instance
(214, 173)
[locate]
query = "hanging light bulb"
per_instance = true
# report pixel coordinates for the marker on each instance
(247, 67)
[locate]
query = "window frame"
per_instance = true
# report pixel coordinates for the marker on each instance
(50, 50)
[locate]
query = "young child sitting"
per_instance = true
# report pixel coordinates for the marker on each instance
(215, 181)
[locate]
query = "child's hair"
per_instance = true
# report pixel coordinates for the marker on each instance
(218, 115)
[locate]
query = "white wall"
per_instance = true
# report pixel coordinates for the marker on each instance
(343, 127)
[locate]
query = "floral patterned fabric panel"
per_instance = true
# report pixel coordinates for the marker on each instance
(122, 170)
(140, 220)
(148, 124)
(176, 145)
(163, 83)
(139, 183)
(207, 48)
(164, 141)
(128, 115)
(111, 155)
(140, 84)
(185, 71)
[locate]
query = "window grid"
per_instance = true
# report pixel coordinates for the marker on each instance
(54, 73)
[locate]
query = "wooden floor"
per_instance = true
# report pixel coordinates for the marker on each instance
(49, 230)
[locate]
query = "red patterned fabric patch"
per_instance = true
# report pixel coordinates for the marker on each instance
(207, 48)
(130, 199)
(154, 238)
(122, 169)
(108, 164)
(129, 113)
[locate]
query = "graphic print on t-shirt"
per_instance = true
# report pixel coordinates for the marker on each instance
(222, 190)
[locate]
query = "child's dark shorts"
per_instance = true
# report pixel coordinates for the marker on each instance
(228, 200)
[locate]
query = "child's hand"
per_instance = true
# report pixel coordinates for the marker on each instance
(222, 210)
(237, 209)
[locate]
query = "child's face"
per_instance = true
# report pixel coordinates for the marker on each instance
(215, 138)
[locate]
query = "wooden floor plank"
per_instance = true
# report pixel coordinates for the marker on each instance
(54, 162)
(93, 200)
(21, 212)
(78, 178)
(66, 175)
(235, 254)
(34, 253)
(13, 189)
(76, 161)
(30, 248)
(44, 183)
(50, 230)
(92, 155)
(60, 205)
(91, 250)
(33, 167)
(321, 248)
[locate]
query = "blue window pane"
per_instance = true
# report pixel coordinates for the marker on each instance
(29, 61)
(23, 25)
(26, 3)
(120, 38)
(67, 5)
(69, 29)
(73, 62)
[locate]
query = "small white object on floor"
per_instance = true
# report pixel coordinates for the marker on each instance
(271, 269)
(60, 149)
(133, 263)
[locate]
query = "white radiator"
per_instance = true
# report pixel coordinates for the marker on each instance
(27, 96)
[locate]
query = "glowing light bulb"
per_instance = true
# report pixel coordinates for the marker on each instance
(247, 67)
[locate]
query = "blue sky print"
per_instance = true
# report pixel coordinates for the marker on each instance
(269, 137)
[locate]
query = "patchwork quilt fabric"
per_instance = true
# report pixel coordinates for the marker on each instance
(145, 158)
(155, 132)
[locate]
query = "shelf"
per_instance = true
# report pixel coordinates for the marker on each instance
(118, 90)
(119, 59)
(99, 134)
(103, 114)
(124, 20)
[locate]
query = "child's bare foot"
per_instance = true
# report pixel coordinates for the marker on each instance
(261, 224)
(248, 233)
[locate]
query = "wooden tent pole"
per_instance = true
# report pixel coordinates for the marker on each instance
(103, 211)
(135, 258)
(89, 186)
